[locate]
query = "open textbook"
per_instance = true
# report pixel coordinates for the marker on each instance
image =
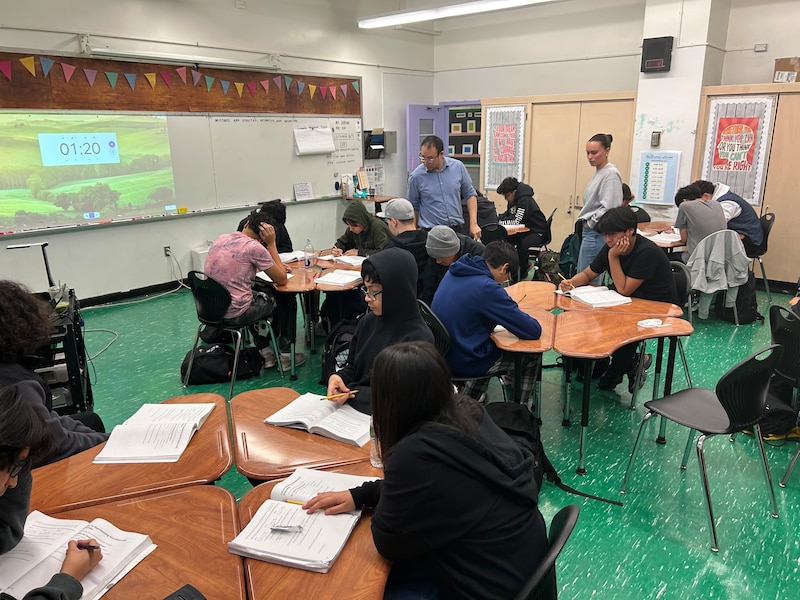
(282, 533)
(596, 296)
(323, 417)
(38, 556)
(340, 277)
(155, 433)
(263, 276)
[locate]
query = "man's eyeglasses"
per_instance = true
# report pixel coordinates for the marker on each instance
(371, 295)
(18, 466)
(428, 159)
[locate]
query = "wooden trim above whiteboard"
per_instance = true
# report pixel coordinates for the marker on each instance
(560, 98)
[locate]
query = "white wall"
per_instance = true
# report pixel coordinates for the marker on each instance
(311, 36)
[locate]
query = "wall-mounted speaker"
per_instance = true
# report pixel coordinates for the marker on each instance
(656, 54)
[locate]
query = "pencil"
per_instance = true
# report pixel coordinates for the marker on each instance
(335, 396)
(562, 276)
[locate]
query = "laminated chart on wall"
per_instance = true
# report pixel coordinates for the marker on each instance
(313, 140)
(505, 130)
(658, 177)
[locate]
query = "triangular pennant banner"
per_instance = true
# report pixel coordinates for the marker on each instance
(5, 68)
(47, 64)
(355, 86)
(131, 77)
(209, 82)
(265, 85)
(277, 81)
(90, 75)
(300, 86)
(343, 87)
(239, 87)
(288, 81)
(69, 70)
(324, 91)
(311, 90)
(225, 86)
(167, 77)
(151, 78)
(252, 87)
(181, 73)
(195, 77)
(333, 91)
(28, 63)
(112, 78)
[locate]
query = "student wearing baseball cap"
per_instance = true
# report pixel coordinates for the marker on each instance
(399, 216)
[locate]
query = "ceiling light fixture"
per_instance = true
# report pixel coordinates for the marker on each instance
(444, 12)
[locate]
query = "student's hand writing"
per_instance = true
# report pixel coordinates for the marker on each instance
(332, 503)
(336, 386)
(267, 233)
(79, 562)
(352, 252)
(566, 285)
(336, 251)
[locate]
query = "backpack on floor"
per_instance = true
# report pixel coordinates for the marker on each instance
(521, 426)
(213, 364)
(568, 257)
(337, 348)
(746, 304)
(548, 266)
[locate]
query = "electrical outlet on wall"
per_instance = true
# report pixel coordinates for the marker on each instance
(167, 251)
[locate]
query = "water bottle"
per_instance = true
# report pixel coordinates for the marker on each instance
(308, 253)
(374, 448)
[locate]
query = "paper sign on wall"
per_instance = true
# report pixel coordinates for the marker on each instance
(313, 140)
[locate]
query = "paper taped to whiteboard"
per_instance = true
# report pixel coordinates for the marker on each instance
(313, 140)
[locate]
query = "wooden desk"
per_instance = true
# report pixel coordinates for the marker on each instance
(637, 306)
(655, 227)
(75, 482)
(593, 335)
(514, 229)
(191, 528)
(358, 574)
(533, 294)
(266, 452)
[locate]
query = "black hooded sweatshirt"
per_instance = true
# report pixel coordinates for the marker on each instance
(524, 210)
(463, 503)
(400, 321)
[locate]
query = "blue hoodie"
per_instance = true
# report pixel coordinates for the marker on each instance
(470, 304)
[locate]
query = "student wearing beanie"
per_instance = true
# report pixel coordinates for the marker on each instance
(444, 247)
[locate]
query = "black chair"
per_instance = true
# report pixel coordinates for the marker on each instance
(737, 404)
(542, 584)
(211, 300)
(441, 339)
(767, 220)
(785, 328)
(493, 232)
(535, 251)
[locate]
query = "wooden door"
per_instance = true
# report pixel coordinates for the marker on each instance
(552, 162)
(782, 192)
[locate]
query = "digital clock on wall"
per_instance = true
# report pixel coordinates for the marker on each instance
(78, 148)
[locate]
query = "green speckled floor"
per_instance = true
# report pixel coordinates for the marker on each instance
(655, 546)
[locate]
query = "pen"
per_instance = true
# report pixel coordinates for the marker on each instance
(287, 528)
(88, 547)
(335, 396)
(521, 299)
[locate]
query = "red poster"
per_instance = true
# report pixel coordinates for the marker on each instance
(734, 147)
(504, 144)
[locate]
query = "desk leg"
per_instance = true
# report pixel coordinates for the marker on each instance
(568, 390)
(587, 390)
(662, 429)
(307, 299)
(517, 392)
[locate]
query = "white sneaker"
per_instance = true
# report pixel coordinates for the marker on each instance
(286, 360)
(268, 354)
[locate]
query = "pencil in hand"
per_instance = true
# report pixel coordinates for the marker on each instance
(337, 396)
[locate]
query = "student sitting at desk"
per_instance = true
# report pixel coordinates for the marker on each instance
(457, 508)
(697, 218)
(639, 269)
(739, 214)
(390, 279)
(444, 247)
(470, 303)
(399, 215)
(26, 439)
(523, 210)
(277, 210)
(627, 198)
(25, 326)
(366, 234)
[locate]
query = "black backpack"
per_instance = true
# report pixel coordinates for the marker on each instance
(568, 257)
(213, 364)
(521, 426)
(746, 304)
(337, 348)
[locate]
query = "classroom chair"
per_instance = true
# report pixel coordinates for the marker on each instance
(767, 220)
(738, 403)
(785, 330)
(493, 232)
(211, 300)
(534, 252)
(542, 584)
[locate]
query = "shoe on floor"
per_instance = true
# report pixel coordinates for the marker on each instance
(268, 354)
(608, 381)
(648, 360)
(286, 360)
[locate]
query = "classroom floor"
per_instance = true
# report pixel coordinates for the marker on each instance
(655, 546)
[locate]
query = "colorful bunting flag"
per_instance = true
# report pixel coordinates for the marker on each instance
(182, 74)
(324, 91)
(151, 78)
(112, 79)
(300, 86)
(277, 81)
(355, 86)
(288, 81)
(69, 70)
(90, 75)
(239, 87)
(333, 91)
(343, 87)
(209, 82)
(47, 64)
(265, 85)
(311, 90)
(131, 77)
(252, 87)
(5, 68)
(195, 77)
(28, 63)
(167, 77)
(225, 86)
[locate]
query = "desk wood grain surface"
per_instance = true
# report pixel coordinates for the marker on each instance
(511, 343)
(266, 452)
(637, 306)
(655, 227)
(533, 294)
(191, 527)
(75, 482)
(359, 572)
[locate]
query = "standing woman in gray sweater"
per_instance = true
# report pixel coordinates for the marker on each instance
(603, 192)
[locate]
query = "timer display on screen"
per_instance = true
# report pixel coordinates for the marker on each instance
(78, 148)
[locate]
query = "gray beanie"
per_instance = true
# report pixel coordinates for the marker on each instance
(442, 241)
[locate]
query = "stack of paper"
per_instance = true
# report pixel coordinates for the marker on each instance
(155, 433)
(353, 261)
(282, 533)
(323, 417)
(597, 296)
(293, 256)
(340, 277)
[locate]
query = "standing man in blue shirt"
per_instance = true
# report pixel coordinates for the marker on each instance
(437, 187)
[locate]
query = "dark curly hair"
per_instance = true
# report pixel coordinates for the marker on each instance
(21, 427)
(24, 322)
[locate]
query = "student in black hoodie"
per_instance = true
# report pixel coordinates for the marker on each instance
(390, 279)
(457, 508)
(523, 210)
(399, 215)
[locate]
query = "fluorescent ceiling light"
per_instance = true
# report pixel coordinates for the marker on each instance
(271, 62)
(444, 12)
